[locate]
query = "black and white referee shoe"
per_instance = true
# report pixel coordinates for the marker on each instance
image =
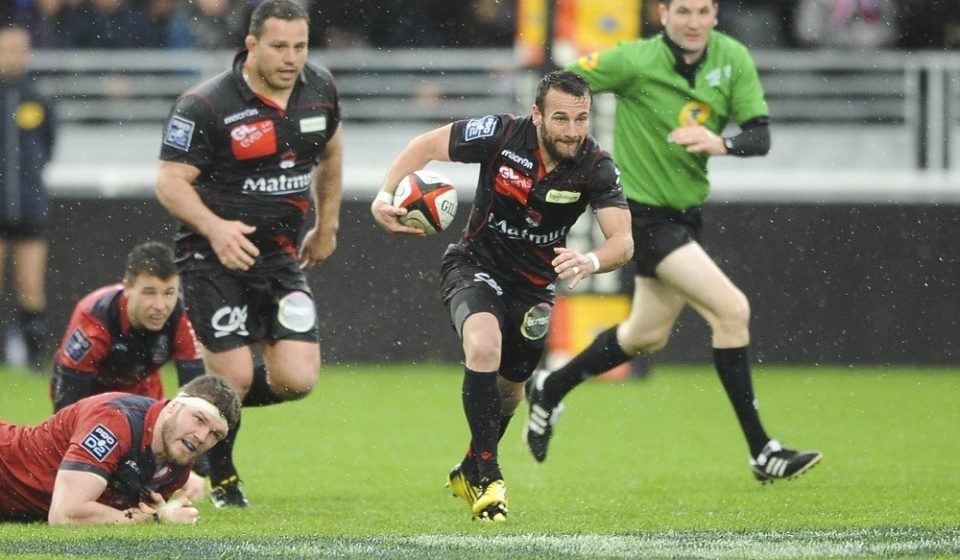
(541, 417)
(776, 462)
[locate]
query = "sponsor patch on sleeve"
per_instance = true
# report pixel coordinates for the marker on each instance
(100, 442)
(179, 133)
(480, 128)
(313, 124)
(77, 346)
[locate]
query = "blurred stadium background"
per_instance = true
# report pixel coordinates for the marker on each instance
(843, 237)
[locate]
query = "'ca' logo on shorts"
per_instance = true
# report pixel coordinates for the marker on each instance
(230, 320)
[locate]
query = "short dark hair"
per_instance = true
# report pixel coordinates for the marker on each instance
(565, 81)
(217, 392)
(280, 9)
(152, 258)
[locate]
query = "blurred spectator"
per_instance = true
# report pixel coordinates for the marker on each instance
(846, 23)
(929, 25)
(209, 24)
(374, 23)
(111, 24)
(337, 24)
(42, 18)
(27, 131)
(484, 23)
(756, 23)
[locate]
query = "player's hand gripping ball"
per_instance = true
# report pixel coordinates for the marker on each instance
(430, 200)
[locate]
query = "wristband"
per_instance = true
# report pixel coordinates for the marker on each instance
(593, 258)
(384, 196)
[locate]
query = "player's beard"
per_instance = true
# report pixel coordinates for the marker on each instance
(550, 144)
(171, 442)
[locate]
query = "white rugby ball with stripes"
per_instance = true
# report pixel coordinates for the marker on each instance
(430, 200)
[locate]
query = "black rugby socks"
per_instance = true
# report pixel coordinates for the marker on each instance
(260, 393)
(482, 405)
(734, 371)
(603, 354)
(469, 465)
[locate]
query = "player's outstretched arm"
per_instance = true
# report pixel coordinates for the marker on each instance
(430, 146)
(74, 502)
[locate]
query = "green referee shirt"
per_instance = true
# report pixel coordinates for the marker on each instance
(653, 99)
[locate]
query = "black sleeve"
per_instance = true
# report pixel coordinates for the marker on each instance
(69, 386)
(753, 140)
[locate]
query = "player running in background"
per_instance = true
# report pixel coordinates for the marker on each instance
(676, 93)
(241, 155)
(539, 173)
(113, 458)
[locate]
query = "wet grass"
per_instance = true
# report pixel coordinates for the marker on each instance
(646, 469)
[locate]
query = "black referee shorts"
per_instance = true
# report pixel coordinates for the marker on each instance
(659, 231)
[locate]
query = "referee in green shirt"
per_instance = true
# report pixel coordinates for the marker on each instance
(675, 93)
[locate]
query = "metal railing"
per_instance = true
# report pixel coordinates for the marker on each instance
(840, 112)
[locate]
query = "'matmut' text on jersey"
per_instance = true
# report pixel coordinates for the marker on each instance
(256, 159)
(521, 212)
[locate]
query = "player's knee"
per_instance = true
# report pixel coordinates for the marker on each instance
(482, 352)
(735, 316)
(302, 382)
(634, 342)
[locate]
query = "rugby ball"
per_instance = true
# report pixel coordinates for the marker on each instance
(430, 200)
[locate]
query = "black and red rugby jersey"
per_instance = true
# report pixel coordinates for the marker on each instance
(256, 161)
(521, 212)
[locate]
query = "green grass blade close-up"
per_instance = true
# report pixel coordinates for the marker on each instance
(652, 468)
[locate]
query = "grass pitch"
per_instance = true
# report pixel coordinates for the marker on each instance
(641, 469)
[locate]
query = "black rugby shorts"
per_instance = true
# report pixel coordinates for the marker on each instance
(523, 312)
(231, 309)
(659, 231)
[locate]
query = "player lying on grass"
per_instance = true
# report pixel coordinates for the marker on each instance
(113, 458)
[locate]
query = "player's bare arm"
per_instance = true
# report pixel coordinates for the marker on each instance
(613, 253)
(320, 242)
(74, 502)
(698, 138)
(227, 237)
(430, 146)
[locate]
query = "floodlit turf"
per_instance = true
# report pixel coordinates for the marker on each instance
(643, 469)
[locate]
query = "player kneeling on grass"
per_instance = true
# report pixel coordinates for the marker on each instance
(113, 458)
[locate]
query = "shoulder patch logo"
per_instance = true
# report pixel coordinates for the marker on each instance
(77, 346)
(100, 442)
(313, 124)
(480, 128)
(179, 133)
